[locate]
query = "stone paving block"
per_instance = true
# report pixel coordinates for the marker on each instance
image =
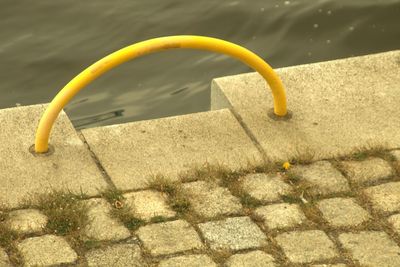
(340, 212)
(371, 248)
(46, 250)
(26, 221)
(385, 197)
(210, 200)
(396, 154)
(4, 261)
(265, 187)
(188, 260)
(170, 146)
(323, 176)
(369, 170)
(23, 175)
(329, 265)
(102, 226)
(307, 246)
(233, 234)
(148, 204)
(337, 106)
(118, 255)
(394, 220)
(169, 237)
(280, 216)
(251, 259)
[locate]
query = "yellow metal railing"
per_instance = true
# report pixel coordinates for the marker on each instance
(147, 47)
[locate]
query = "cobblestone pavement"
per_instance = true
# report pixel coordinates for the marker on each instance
(335, 212)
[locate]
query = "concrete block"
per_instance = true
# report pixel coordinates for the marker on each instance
(132, 152)
(169, 238)
(26, 221)
(188, 260)
(307, 246)
(337, 106)
(22, 174)
(210, 200)
(385, 197)
(118, 255)
(371, 248)
(47, 250)
(369, 170)
(148, 204)
(281, 216)
(342, 212)
(251, 259)
(233, 234)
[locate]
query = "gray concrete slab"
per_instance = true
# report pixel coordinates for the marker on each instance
(337, 106)
(23, 175)
(133, 152)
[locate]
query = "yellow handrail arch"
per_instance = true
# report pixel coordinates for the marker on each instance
(147, 47)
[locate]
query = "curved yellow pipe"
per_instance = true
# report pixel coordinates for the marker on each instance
(147, 47)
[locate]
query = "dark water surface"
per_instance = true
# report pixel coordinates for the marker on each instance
(45, 43)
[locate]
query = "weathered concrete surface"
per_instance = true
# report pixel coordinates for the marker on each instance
(233, 234)
(118, 255)
(189, 260)
(307, 246)
(210, 200)
(23, 174)
(132, 152)
(26, 221)
(342, 212)
(251, 259)
(369, 170)
(280, 216)
(337, 106)
(46, 250)
(168, 238)
(371, 248)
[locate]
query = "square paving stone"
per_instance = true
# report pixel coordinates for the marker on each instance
(340, 212)
(280, 216)
(385, 197)
(170, 146)
(396, 154)
(102, 226)
(369, 170)
(24, 175)
(4, 258)
(307, 246)
(265, 187)
(210, 200)
(46, 250)
(148, 204)
(323, 176)
(169, 237)
(371, 248)
(188, 260)
(329, 265)
(118, 255)
(251, 259)
(26, 221)
(394, 220)
(233, 234)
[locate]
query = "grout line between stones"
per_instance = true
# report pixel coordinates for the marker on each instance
(104, 173)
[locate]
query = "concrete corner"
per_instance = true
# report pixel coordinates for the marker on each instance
(23, 174)
(337, 106)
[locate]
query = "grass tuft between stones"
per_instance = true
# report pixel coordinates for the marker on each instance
(121, 210)
(66, 213)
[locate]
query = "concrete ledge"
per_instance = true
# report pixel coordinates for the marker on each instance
(132, 152)
(337, 106)
(22, 174)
